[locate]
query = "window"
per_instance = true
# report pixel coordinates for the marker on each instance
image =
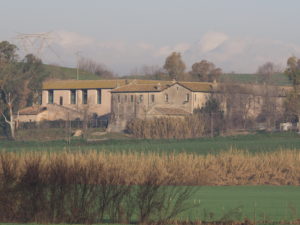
(187, 97)
(99, 96)
(166, 98)
(61, 100)
(131, 98)
(73, 96)
(141, 98)
(152, 98)
(50, 97)
(119, 98)
(125, 98)
(84, 96)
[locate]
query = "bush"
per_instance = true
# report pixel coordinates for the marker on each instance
(77, 188)
(192, 126)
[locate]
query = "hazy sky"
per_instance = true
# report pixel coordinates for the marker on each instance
(237, 35)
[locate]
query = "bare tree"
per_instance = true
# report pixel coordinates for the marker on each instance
(267, 70)
(268, 94)
(293, 72)
(236, 101)
(149, 73)
(91, 66)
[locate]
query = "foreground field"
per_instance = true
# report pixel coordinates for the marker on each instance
(260, 142)
(95, 186)
(274, 203)
(238, 202)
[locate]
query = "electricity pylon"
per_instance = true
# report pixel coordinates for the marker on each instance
(34, 43)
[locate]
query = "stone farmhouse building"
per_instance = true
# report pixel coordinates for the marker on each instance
(157, 99)
(123, 100)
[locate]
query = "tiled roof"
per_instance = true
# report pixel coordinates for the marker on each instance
(162, 82)
(157, 86)
(141, 88)
(170, 111)
(32, 110)
(198, 86)
(82, 84)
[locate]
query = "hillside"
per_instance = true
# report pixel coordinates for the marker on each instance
(65, 73)
(277, 79)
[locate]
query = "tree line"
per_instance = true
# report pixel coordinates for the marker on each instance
(21, 84)
(174, 68)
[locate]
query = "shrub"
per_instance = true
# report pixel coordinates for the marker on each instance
(192, 126)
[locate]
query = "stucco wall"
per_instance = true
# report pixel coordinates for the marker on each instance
(199, 99)
(177, 98)
(92, 106)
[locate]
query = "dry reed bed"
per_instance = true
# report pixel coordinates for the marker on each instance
(228, 168)
(91, 187)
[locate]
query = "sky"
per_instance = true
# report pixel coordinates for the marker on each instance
(236, 35)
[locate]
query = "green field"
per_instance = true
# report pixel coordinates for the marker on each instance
(276, 79)
(259, 142)
(237, 202)
(269, 203)
(65, 73)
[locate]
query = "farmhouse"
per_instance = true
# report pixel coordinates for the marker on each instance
(72, 99)
(157, 99)
(124, 100)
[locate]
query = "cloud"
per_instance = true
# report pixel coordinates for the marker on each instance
(167, 50)
(240, 54)
(67, 39)
(145, 46)
(211, 41)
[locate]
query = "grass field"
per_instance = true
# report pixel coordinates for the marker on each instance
(64, 73)
(216, 202)
(260, 142)
(271, 203)
(277, 79)
(237, 202)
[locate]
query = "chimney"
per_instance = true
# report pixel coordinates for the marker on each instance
(158, 87)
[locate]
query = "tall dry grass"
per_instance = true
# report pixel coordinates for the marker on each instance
(192, 126)
(234, 167)
(91, 187)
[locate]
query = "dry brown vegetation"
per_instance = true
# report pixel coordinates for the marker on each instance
(234, 167)
(158, 128)
(91, 187)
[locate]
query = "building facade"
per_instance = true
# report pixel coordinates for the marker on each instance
(124, 100)
(84, 96)
(175, 99)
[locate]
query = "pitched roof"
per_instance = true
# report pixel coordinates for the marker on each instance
(32, 110)
(83, 84)
(141, 88)
(157, 86)
(198, 86)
